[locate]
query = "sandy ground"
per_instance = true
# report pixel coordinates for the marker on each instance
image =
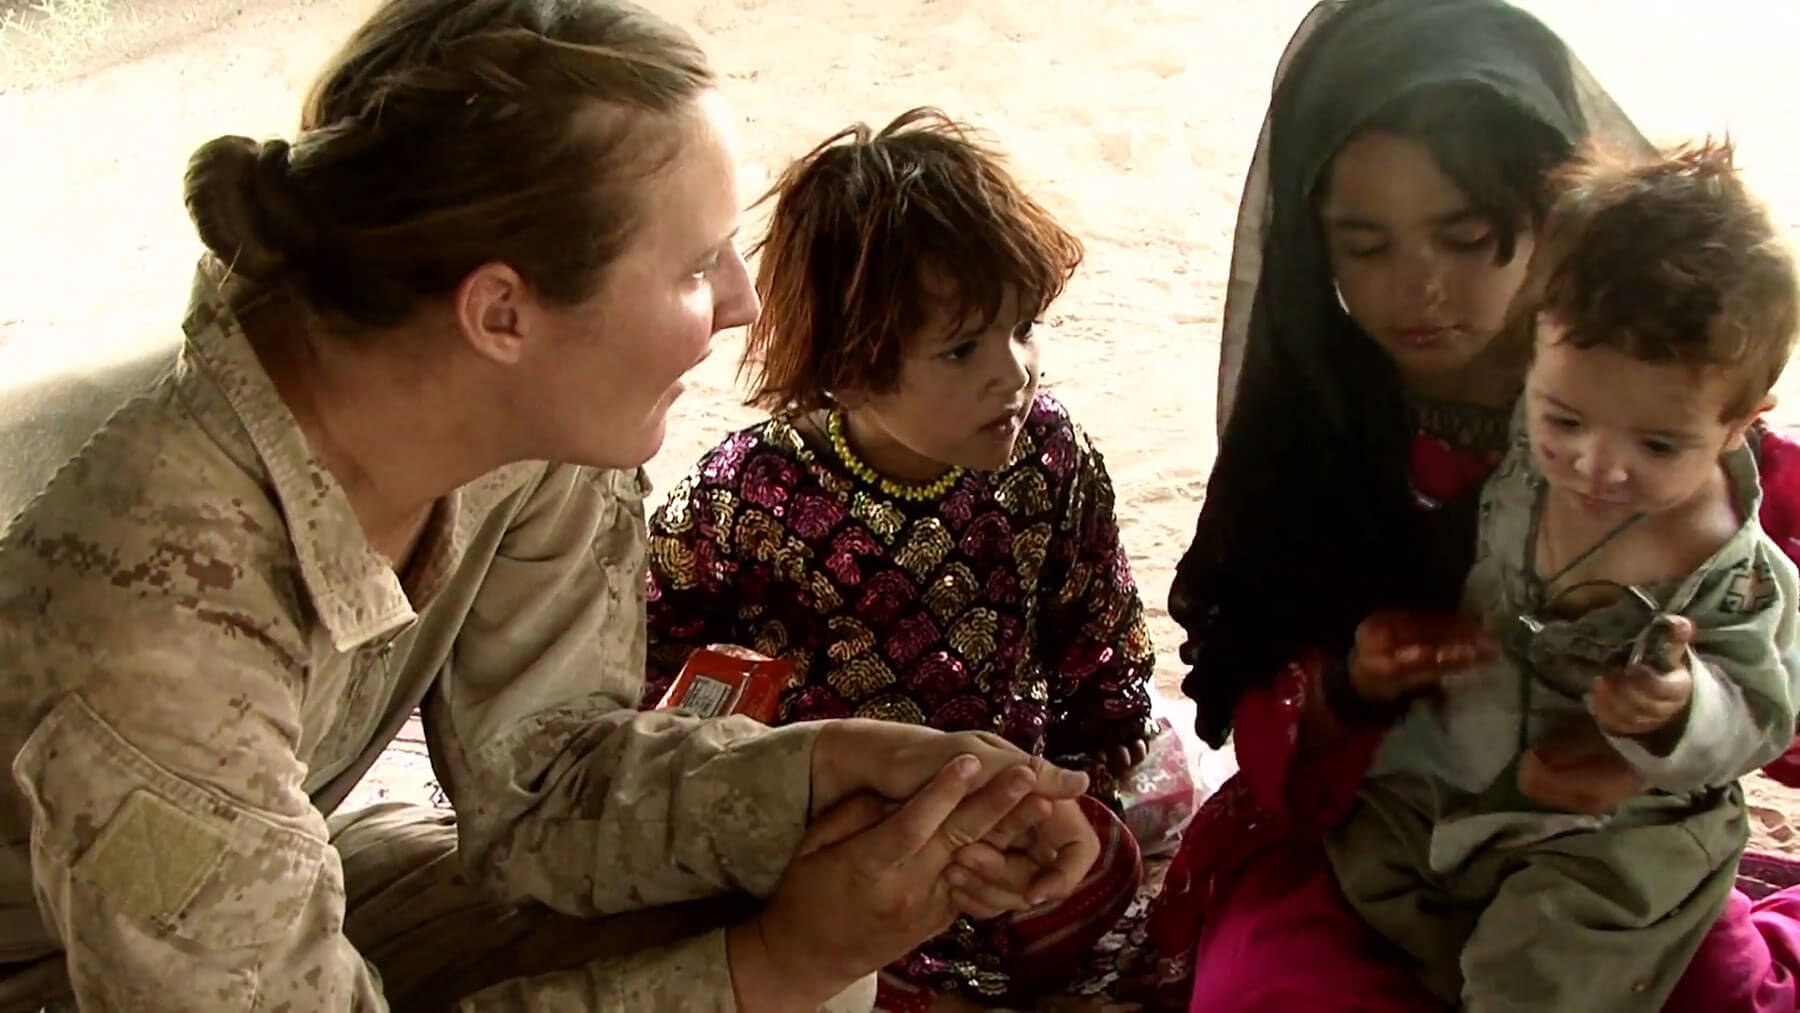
(1132, 118)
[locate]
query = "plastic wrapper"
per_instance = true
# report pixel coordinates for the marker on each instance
(1159, 796)
(723, 679)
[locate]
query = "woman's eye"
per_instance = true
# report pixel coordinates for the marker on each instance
(1563, 421)
(1363, 252)
(1024, 330)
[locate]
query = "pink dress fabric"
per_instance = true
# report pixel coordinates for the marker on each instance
(1251, 915)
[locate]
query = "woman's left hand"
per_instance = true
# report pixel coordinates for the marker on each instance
(894, 759)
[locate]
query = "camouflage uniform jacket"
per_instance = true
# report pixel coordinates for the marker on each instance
(203, 654)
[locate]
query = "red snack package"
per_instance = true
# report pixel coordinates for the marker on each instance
(722, 679)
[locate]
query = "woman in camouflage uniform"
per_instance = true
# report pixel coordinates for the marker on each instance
(395, 465)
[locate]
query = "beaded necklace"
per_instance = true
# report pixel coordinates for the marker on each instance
(919, 492)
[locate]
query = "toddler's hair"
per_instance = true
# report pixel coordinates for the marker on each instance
(1670, 260)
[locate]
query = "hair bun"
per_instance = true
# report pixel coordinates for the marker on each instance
(243, 205)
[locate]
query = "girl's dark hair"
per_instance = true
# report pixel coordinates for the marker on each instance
(1496, 153)
(446, 134)
(871, 233)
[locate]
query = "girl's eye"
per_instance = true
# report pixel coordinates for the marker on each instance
(1661, 448)
(1466, 244)
(959, 351)
(1363, 252)
(1563, 421)
(1023, 331)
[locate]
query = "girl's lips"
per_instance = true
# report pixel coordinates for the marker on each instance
(1009, 421)
(1425, 337)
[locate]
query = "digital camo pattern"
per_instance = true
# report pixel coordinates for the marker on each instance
(204, 654)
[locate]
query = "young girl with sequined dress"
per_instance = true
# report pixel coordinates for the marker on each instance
(926, 535)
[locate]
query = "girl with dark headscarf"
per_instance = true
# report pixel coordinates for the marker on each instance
(1368, 371)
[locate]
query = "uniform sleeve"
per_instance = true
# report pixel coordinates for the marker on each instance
(175, 852)
(692, 570)
(1098, 648)
(1745, 662)
(565, 792)
(689, 976)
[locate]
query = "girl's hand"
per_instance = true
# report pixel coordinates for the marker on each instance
(1121, 759)
(1020, 866)
(1576, 770)
(1399, 652)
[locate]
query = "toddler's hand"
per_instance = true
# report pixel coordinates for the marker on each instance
(1643, 698)
(1398, 652)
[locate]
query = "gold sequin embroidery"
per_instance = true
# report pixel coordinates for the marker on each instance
(852, 638)
(892, 707)
(973, 634)
(676, 517)
(1023, 493)
(824, 592)
(1029, 549)
(951, 592)
(925, 548)
(674, 562)
(792, 563)
(1079, 574)
(771, 639)
(759, 537)
(861, 677)
(885, 519)
(1137, 641)
(723, 507)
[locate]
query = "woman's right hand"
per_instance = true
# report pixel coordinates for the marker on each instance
(1399, 652)
(868, 886)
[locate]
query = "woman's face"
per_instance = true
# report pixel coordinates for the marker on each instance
(602, 384)
(1413, 261)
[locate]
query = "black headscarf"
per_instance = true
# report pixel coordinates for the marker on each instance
(1308, 523)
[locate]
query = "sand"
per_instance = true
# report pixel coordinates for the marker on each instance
(1132, 119)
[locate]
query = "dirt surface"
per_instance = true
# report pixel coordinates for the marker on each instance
(1134, 120)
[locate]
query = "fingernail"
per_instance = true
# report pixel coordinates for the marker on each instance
(966, 766)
